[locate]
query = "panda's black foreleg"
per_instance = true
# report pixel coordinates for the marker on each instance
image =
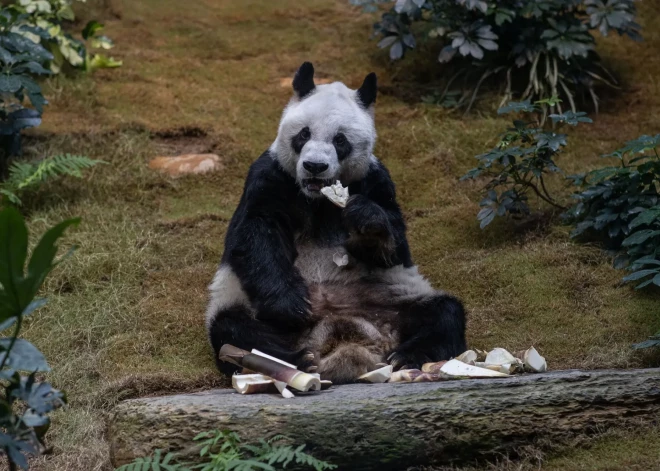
(431, 330)
(237, 327)
(372, 236)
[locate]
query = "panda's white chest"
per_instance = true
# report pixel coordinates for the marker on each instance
(323, 265)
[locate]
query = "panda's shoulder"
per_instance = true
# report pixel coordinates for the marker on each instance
(377, 178)
(267, 171)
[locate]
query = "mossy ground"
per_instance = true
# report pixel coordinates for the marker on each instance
(125, 316)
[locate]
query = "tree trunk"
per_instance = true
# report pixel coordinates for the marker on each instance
(391, 426)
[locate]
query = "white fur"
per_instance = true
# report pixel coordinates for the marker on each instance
(316, 265)
(330, 109)
(225, 291)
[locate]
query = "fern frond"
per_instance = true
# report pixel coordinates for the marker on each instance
(11, 196)
(24, 174)
(155, 462)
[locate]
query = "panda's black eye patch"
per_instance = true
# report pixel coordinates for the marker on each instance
(342, 146)
(300, 139)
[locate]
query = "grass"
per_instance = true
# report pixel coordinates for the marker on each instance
(125, 317)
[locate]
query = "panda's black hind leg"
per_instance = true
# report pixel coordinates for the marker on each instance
(431, 330)
(237, 327)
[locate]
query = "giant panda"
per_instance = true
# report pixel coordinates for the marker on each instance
(278, 287)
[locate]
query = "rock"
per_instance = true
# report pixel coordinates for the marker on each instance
(187, 164)
(394, 426)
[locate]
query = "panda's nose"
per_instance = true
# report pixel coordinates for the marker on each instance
(315, 168)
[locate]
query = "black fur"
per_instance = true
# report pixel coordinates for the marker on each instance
(299, 140)
(342, 146)
(431, 330)
(260, 248)
(303, 81)
(374, 221)
(367, 92)
(237, 328)
(259, 245)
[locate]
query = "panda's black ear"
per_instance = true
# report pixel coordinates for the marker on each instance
(366, 94)
(303, 81)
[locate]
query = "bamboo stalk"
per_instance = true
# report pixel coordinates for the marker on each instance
(277, 370)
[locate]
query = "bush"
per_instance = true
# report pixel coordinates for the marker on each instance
(543, 47)
(223, 451)
(50, 16)
(22, 61)
(620, 206)
(521, 161)
(26, 401)
(33, 44)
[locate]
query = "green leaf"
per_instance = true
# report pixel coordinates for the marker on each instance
(41, 261)
(647, 344)
(640, 274)
(23, 356)
(640, 237)
(9, 84)
(99, 61)
(646, 217)
(91, 29)
(13, 252)
(517, 107)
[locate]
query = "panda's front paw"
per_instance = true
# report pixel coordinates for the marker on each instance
(365, 218)
(292, 310)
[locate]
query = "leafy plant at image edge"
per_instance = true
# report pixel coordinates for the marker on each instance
(547, 44)
(223, 451)
(33, 45)
(50, 16)
(24, 175)
(521, 161)
(26, 402)
(21, 60)
(619, 205)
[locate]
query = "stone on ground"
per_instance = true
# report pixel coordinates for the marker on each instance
(187, 164)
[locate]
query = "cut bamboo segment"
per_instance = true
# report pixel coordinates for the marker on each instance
(262, 354)
(336, 193)
(433, 367)
(457, 368)
(281, 387)
(468, 356)
(380, 375)
(252, 384)
(413, 376)
(271, 368)
(534, 362)
(499, 356)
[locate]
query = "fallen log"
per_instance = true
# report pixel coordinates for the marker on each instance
(390, 426)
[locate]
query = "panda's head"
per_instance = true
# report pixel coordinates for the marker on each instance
(327, 132)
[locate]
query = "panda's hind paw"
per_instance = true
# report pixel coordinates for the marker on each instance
(306, 362)
(405, 360)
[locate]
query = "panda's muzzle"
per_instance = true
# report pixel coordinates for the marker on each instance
(315, 184)
(315, 167)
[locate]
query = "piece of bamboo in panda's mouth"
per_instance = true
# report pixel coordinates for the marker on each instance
(273, 369)
(336, 193)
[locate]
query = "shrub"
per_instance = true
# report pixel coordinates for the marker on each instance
(24, 175)
(22, 60)
(50, 16)
(26, 401)
(223, 451)
(620, 206)
(543, 47)
(521, 162)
